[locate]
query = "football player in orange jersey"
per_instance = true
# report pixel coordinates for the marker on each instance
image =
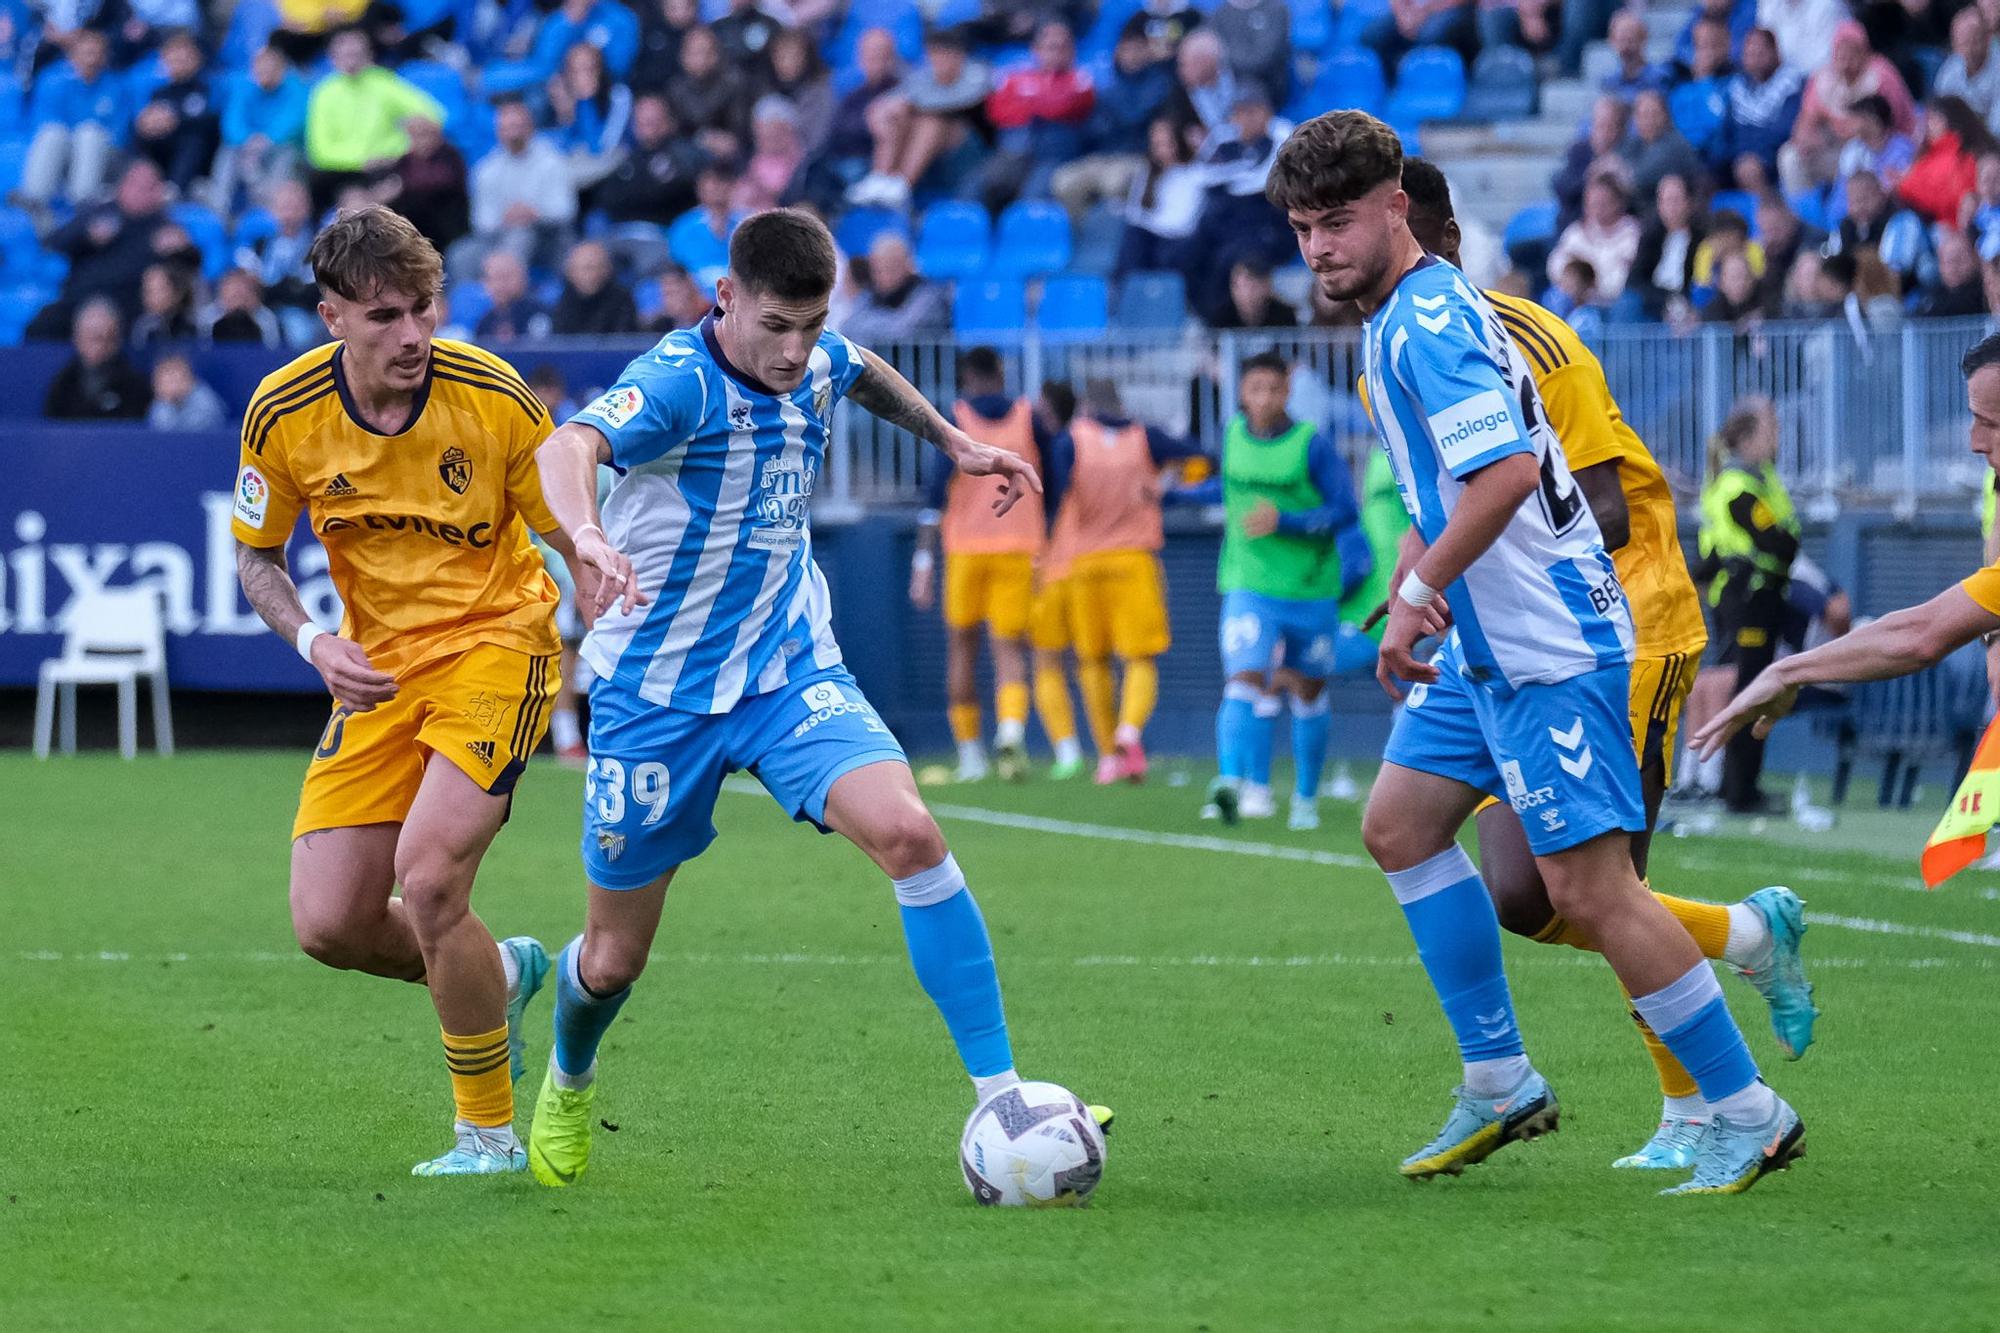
(413, 459)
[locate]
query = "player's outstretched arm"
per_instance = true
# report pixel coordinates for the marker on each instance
(568, 461)
(1897, 644)
(883, 392)
(350, 678)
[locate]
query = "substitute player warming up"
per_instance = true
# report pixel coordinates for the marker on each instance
(414, 462)
(714, 649)
(1527, 700)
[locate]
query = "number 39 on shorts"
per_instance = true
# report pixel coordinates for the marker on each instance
(608, 786)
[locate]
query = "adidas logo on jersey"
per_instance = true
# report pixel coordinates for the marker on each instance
(341, 486)
(482, 750)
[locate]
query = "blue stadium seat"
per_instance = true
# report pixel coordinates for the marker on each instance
(1098, 237)
(1355, 16)
(1810, 205)
(250, 26)
(1156, 301)
(1503, 87)
(1536, 222)
(469, 303)
(1076, 307)
(507, 76)
(1430, 85)
(19, 246)
(205, 229)
(991, 309)
(1312, 25)
(442, 82)
(903, 19)
(859, 228)
(13, 157)
(253, 225)
(13, 109)
(1350, 78)
(1033, 239)
(1102, 35)
(19, 304)
(647, 297)
(953, 240)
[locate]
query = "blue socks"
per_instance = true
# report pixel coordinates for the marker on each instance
(953, 959)
(582, 1018)
(1234, 721)
(1458, 939)
(1693, 1020)
(1312, 724)
(1264, 724)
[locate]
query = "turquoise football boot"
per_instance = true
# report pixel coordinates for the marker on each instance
(1478, 1127)
(1734, 1157)
(1781, 978)
(533, 962)
(478, 1152)
(1672, 1147)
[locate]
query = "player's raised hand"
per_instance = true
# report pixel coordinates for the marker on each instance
(1760, 706)
(350, 677)
(613, 576)
(983, 460)
(1407, 624)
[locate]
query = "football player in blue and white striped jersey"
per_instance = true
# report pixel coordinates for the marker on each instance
(714, 647)
(1527, 702)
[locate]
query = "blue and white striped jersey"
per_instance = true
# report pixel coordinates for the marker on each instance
(711, 506)
(1450, 394)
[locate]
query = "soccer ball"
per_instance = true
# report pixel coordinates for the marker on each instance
(1034, 1145)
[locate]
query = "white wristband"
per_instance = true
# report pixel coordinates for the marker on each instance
(304, 643)
(923, 562)
(1416, 592)
(591, 527)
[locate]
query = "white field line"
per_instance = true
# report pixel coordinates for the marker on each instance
(1568, 958)
(1273, 851)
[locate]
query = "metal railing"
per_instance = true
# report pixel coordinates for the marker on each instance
(1864, 413)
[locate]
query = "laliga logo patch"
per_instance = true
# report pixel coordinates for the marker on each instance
(455, 467)
(823, 695)
(253, 496)
(616, 407)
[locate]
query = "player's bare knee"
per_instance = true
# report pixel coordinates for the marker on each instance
(1392, 841)
(908, 841)
(329, 940)
(610, 962)
(437, 893)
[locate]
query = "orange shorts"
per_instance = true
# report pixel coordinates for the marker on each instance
(485, 709)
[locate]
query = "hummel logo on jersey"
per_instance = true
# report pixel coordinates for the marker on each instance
(1434, 323)
(340, 486)
(482, 751)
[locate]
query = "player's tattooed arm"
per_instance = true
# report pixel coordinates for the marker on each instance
(268, 587)
(350, 678)
(884, 393)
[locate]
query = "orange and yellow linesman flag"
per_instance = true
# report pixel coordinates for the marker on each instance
(1960, 837)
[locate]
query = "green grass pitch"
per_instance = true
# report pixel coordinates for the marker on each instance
(203, 1130)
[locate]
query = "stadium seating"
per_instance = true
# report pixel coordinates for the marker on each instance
(1312, 26)
(954, 240)
(1098, 237)
(990, 309)
(1347, 78)
(208, 233)
(1150, 302)
(1033, 239)
(1075, 308)
(1503, 86)
(856, 231)
(1430, 85)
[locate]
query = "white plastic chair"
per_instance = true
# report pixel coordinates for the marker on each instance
(114, 637)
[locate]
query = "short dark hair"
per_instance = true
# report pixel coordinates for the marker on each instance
(1982, 355)
(1268, 359)
(1875, 105)
(366, 251)
(1427, 188)
(1331, 160)
(950, 37)
(1728, 219)
(1840, 267)
(784, 252)
(1061, 399)
(981, 363)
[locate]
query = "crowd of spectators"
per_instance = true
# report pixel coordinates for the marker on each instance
(1793, 156)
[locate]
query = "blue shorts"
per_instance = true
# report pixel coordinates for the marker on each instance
(655, 773)
(1560, 754)
(1310, 634)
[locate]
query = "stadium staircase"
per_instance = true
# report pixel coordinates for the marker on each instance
(1501, 167)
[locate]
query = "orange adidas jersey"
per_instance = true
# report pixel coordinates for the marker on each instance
(426, 531)
(1666, 610)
